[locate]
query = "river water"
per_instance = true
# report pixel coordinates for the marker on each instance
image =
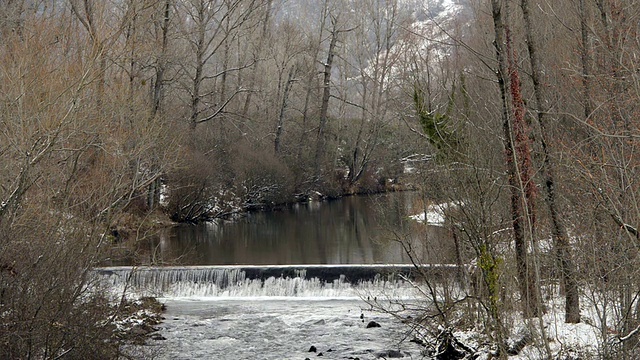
(272, 284)
(277, 329)
(352, 230)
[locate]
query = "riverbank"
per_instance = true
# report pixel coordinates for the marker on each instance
(352, 229)
(237, 207)
(134, 222)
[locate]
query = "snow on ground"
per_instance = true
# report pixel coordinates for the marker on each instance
(434, 214)
(432, 217)
(582, 340)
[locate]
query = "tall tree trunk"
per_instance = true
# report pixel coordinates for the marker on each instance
(324, 108)
(305, 115)
(226, 53)
(520, 218)
(199, 66)
(585, 57)
(283, 109)
(262, 41)
(311, 80)
(558, 232)
(158, 93)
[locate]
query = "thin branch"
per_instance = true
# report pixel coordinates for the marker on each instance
(633, 333)
(221, 108)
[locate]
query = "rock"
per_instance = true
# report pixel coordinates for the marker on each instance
(373, 324)
(139, 330)
(522, 340)
(158, 337)
(390, 354)
(312, 349)
(320, 354)
(449, 348)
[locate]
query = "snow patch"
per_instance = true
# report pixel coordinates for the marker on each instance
(435, 214)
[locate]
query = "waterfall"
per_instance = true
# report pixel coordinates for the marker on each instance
(301, 281)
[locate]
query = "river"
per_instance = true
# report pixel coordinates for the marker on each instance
(365, 229)
(272, 284)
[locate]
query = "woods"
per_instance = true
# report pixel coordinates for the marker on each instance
(118, 115)
(546, 172)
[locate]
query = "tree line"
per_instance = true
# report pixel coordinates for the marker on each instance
(112, 112)
(532, 123)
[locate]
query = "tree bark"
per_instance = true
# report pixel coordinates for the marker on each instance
(324, 108)
(558, 231)
(158, 86)
(527, 283)
(263, 39)
(283, 109)
(585, 57)
(196, 81)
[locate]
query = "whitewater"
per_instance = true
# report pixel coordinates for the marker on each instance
(280, 328)
(278, 312)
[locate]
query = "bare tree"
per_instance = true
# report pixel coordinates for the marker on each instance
(65, 179)
(517, 160)
(559, 232)
(203, 29)
(374, 56)
(162, 33)
(326, 95)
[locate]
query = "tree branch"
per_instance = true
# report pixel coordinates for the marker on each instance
(221, 108)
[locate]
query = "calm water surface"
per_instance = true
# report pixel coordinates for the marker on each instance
(351, 230)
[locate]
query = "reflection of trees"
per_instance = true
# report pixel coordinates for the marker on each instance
(351, 230)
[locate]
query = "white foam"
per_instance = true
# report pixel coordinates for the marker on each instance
(231, 282)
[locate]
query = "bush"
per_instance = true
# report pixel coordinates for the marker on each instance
(263, 179)
(47, 305)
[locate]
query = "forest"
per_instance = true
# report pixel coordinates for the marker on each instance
(119, 115)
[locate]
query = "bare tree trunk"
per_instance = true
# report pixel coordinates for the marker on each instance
(585, 57)
(131, 42)
(158, 93)
(311, 80)
(305, 116)
(196, 85)
(558, 232)
(283, 109)
(252, 77)
(84, 11)
(527, 283)
(326, 94)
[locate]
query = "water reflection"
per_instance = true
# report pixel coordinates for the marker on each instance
(352, 230)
